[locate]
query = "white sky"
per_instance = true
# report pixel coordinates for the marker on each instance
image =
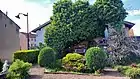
(39, 14)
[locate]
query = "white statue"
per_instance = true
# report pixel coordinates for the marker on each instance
(5, 67)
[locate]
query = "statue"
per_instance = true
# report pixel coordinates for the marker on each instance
(5, 67)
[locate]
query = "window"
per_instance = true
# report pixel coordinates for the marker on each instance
(31, 39)
(31, 45)
(5, 25)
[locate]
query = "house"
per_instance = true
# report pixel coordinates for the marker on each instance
(128, 29)
(40, 33)
(81, 48)
(9, 37)
(128, 26)
(23, 41)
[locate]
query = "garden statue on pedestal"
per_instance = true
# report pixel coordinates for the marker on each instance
(5, 67)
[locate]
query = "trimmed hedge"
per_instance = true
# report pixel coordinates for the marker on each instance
(73, 62)
(95, 58)
(47, 57)
(30, 56)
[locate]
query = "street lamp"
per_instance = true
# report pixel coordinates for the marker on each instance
(27, 27)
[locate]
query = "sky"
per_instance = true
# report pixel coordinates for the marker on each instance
(41, 10)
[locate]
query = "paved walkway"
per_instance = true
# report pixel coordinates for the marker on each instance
(38, 73)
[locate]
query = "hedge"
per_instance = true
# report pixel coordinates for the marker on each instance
(30, 56)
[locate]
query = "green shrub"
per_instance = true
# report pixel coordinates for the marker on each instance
(30, 56)
(138, 65)
(73, 62)
(122, 69)
(95, 58)
(133, 73)
(1, 65)
(47, 57)
(58, 64)
(19, 70)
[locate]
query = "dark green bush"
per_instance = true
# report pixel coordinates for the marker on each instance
(95, 58)
(47, 57)
(58, 64)
(1, 65)
(19, 70)
(73, 62)
(30, 56)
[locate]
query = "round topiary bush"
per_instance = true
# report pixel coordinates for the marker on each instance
(95, 58)
(73, 62)
(47, 57)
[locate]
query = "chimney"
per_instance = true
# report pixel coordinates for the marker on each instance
(6, 13)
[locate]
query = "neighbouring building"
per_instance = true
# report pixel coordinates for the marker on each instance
(128, 29)
(23, 41)
(9, 37)
(40, 33)
(128, 26)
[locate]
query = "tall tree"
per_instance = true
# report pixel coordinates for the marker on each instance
(73, 22)
(110, 12)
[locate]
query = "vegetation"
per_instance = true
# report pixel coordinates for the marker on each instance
(30, 56)
(19, 70)
(73, 22)
(111, 12)
(130, 71)
(73, 62)
(47, 57)
(1, 65)
(95, 58)
(41, 46)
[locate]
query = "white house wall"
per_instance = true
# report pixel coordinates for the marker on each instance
(40, 36)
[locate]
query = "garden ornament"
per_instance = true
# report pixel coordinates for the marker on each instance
(5, 67)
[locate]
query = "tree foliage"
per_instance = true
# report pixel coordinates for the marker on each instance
(111, 12)
(73, 22)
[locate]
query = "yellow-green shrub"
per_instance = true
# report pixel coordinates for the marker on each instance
(30, 56)
(73, 62)
(133, 73)
(19, 70)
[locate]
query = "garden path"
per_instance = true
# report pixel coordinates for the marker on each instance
(37, 72)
